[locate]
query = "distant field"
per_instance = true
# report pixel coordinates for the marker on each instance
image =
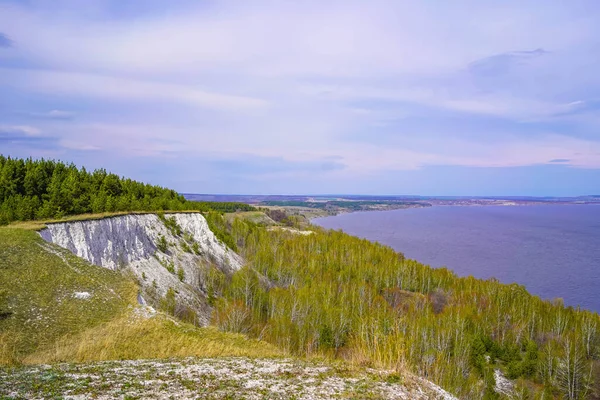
(344, 204)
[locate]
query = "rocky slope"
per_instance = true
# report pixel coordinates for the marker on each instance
(174, 251)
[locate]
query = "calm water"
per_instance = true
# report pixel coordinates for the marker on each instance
(554, 250)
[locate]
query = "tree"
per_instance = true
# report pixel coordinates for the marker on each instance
(573, 372)
(45, 189)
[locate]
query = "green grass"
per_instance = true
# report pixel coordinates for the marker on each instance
(41, 321)
(38, 284)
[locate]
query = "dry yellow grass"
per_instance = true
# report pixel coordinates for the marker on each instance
(7, 353)
(133, 337)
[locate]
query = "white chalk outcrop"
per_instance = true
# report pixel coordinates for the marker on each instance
(132, 242)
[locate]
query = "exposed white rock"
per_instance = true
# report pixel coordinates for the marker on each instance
(290, 230)
(503, 385)
(117, 241)
(132, 242)
(82, 295)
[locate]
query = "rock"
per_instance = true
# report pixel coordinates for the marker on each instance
(131, 242)
(503, 385)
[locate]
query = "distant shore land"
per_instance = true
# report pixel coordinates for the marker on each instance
(328, 205)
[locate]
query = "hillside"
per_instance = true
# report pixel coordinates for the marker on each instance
(145, 286)
(169, 255)
(327, 294)
(58, 307)
(332, 293)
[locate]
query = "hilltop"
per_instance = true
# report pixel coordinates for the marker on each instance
(46, 189)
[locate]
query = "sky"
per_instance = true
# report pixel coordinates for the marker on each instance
(309, 97)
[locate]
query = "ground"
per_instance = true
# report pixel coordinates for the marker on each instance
(212, 378)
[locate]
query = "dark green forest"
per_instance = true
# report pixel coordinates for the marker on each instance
(47, 189)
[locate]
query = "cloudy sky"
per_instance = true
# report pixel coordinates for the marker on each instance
(378, 97)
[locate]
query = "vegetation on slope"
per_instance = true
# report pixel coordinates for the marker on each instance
(55, 307)
(44, 293)
(331, 293)
(135, 336)
(45, 189)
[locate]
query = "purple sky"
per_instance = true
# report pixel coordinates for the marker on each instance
(377, 97)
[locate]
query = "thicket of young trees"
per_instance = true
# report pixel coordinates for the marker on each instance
(43, 189)
(331, 293)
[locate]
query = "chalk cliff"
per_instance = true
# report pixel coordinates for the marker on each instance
(171, 251)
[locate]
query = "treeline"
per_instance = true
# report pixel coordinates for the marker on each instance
(44, 189)
(333, 294)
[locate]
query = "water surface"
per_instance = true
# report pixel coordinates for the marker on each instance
(553, 250)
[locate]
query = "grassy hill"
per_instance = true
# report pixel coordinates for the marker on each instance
(327, 295)
(323, 294)
(56, 307)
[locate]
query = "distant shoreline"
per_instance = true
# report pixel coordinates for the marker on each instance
(311, 207)
(311, 213)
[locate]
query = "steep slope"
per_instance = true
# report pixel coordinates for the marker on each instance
(169, 255)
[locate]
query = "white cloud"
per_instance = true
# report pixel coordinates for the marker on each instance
(334, 39)
(54, 114)
(112, 88)
(20, 130)
(299, 80)
(358, 159)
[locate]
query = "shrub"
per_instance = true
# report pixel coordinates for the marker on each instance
(162, 245)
